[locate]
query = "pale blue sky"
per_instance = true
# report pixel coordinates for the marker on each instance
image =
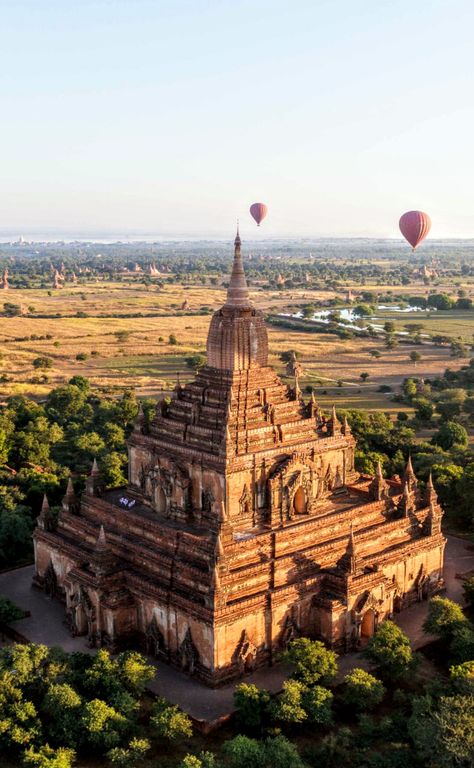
(172, 117)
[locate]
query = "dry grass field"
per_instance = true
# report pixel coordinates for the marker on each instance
(144, 358)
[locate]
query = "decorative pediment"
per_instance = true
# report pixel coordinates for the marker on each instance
(155, 641)
(366, 601)
(188, 654)
(289, 632)
(297, 462)
(246, 652)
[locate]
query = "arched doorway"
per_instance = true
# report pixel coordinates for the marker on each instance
(160, 500)
(299, 501)
(367, 628)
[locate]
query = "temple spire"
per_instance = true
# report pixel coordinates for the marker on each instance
(238, 292)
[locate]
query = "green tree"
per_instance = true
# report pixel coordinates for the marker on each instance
(19, 721)
(196, 361)
(172, 340)
(362, 690)
(169, 722)
(63, 705)
(244, 752)
(424, 409)
(449, 434)
(462, 643)
(390, 650)
(251, 704)
(130, 756)
(9, 611)
(467, 587)
(409, 388)
(46, 757)
(443, 732)
(440, 301)
(279, 752)
(444, 618)
(103, 725)
(313, 662)
(289, 705)
(42, 362)
(317, 703)
(204, 760)
(462, 676)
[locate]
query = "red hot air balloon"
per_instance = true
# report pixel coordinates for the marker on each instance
(414, 226)
(258, 211)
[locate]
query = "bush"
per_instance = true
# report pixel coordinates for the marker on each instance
(196, 361)
(289, 705)
(131, 756)
(173, 341)
(46, 757)
(468, 589)
(243, 752)
(390, 650)
(169, 722)
(449, 435)
(42, 362)
(9, 611)
(444, 618)
(251, 705)
(362, 690)
(312, 660)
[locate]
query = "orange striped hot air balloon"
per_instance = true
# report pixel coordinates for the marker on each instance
(258, 211)
(414, 226)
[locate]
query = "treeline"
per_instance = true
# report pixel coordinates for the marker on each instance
(56, 708)
(42, 444)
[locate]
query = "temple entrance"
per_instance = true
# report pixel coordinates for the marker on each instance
(367, 627)
(299, 501)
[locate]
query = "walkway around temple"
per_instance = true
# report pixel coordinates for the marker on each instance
(46, 625)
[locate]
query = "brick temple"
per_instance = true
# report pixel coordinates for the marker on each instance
(244, 523)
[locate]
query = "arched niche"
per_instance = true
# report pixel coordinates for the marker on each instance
(299, 501)
(160, 500)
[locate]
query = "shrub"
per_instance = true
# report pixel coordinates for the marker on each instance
(169, 722)
(317, 702)
(289, 705)
(46, 757)
(131, 756)
(390, 650)
(42, 362)
(312, 660)
(444, 618)
(251, 705)
(363, 690)
(243, 752)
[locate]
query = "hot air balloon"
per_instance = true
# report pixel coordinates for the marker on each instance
(258, 211)
(414, 226)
